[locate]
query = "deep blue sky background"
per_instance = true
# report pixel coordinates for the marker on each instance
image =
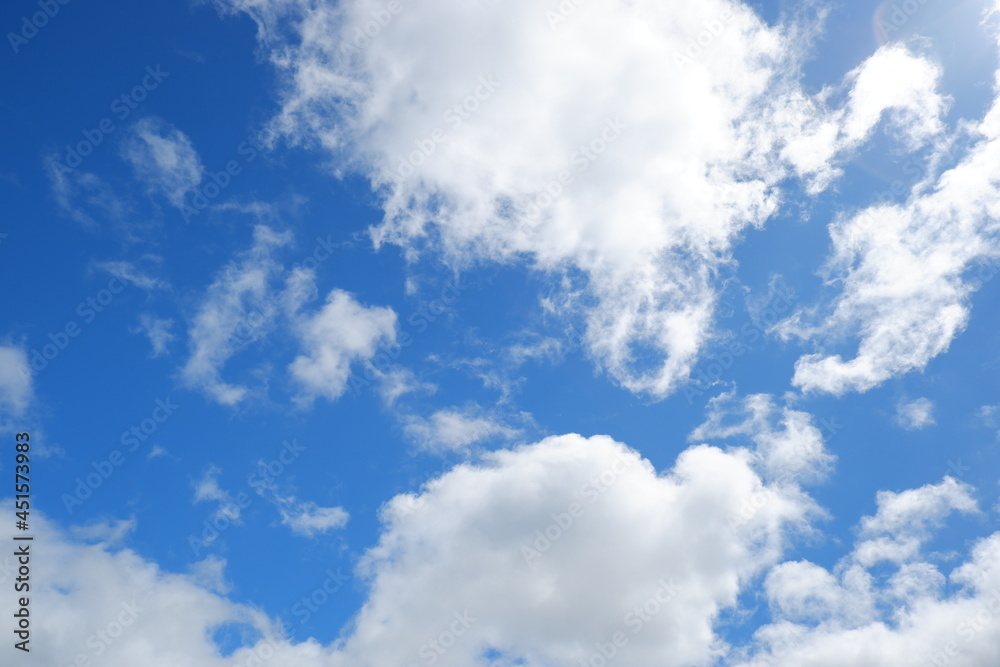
(219, 92)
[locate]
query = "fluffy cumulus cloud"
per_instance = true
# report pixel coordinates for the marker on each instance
(94, 606)
(907, 612)
(493, 558)
(517, 151)
(513, 541)
(163, 157)
(492, 564)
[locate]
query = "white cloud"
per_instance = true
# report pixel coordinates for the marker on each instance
(990, 414)
(237, 309)
(891, 81)
(455, 429)
(207, 489)
(913, 615)
(117, 609)
(305, 518)
(158, 330)
(308, 519)
(691, 156)
(157, 451)
(905, 271)
(210, 573)
(109, 532)
(795, 450)
(341, 333)
(916, 414)
(82, 195)
(164, 158)
(904, 520)
(16, 383)
(539, 599)
(475, 548)
(254, 295)
(398, 382)
(130, 273)
(536, 348)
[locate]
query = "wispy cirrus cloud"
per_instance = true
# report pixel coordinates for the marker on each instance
(164, 158)
(241, 289)
(456, 429)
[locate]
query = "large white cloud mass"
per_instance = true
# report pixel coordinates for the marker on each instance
(494, 557)
(494, 563)
(503, 132)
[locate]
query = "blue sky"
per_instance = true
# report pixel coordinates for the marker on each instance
(352, 302)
